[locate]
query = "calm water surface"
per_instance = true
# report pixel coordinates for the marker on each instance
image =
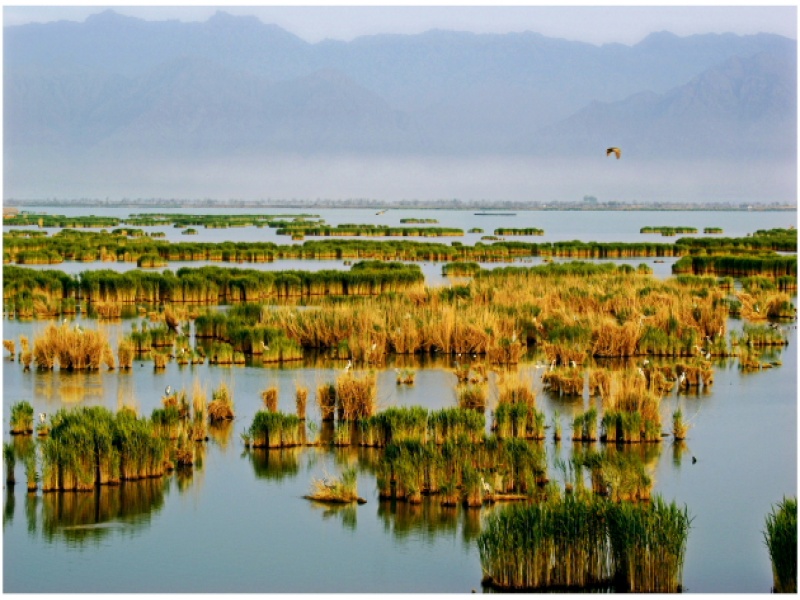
(238, 522)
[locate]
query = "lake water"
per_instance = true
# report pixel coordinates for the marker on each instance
(238, 522)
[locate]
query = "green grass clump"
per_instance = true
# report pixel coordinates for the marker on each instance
(560, 544)
(21, 418)
(272, 429)
(781, 540)
(585, 542)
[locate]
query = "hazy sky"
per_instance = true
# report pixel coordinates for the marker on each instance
(597, 24)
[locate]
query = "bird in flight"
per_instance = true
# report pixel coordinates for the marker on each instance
(615, 151)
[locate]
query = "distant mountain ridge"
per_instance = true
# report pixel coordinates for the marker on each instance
(235, 86)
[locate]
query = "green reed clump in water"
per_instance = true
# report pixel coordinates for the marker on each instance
(21, 418)
(781, 540)
(555, 544)
(90, 446)
(584, 542)
(395, 424)
(649, 543)
(273, 429)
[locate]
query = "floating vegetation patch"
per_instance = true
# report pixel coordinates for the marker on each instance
(337, 490)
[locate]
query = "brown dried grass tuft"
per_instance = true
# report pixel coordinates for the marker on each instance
(630, 393)
(356, 395)
(473, 395)
(516, 389)
(269, 397)
(564, 381)
(108, 310)
(125, 353)
(72, 348)
(326, 400)
(160, 360)
(221, 406)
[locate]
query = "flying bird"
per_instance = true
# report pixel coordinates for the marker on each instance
(615, 151)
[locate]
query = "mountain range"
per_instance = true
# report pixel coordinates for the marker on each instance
(234, 86)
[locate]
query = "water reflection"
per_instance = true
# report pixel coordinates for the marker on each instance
(679, 450)
(81, 518)
(221, 432)
(347, 513)
(9, 506)
(428, 519)
(59, 387)
(274, 464)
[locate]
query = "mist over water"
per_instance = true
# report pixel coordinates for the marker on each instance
(490, 178)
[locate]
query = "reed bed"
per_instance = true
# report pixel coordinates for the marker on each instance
(455, 423)
(125, 353)
(71, 348)
(571, 311)
(21, 418)
(584, 426)
(553, 545)
(620, 476)
(394, 425)
(272, 429)
(221, 406)
(771, 265)
(269, 397)
(632, 411)
(780, 537)
(326, 401)
(585, 543)
(564, 381)
(90, 245)
(668, 230)
(356, 395)
(473, 396)
(90, 446)
(516, 414)
(649, 544)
